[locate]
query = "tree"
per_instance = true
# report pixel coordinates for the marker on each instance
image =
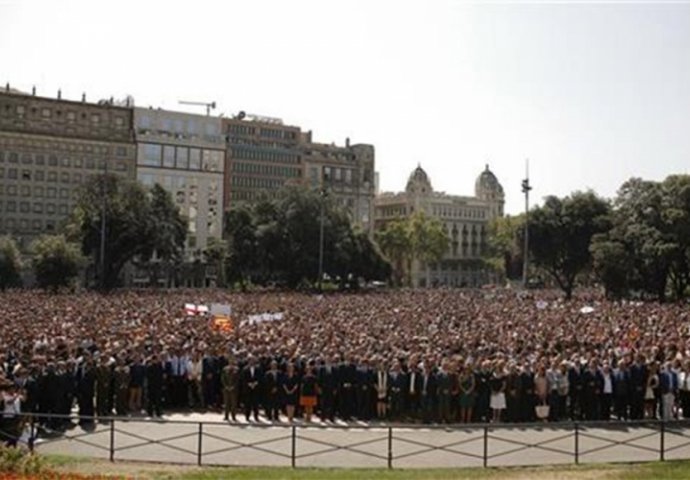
(416, 238)
(504, 251)
(560, 233)
(428, 241)
(242, 242)
(55, 261)
(216, 253)
(138, 222)
(10, 263)
(395, 244)
(648, 246)
(277, 240)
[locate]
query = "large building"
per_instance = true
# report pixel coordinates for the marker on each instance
(464, 218)
(264, 155)
(48, 148)
(185, 154)
(347, 173)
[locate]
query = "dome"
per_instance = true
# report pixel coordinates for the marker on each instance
(487, 183)
(419, 181)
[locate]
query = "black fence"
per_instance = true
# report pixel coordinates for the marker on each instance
(353, 445)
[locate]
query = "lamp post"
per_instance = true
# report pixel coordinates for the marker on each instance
(104, 207)
(324, 194)
(526, 187)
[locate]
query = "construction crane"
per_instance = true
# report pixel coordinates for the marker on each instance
(208, 106)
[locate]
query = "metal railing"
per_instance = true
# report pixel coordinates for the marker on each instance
(374, 445)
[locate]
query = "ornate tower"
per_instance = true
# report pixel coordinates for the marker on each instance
(488, 189)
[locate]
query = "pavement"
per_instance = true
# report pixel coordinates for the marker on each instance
(190, 438)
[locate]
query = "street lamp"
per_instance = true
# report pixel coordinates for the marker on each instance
(526, 187)
(104, 207)
(324, 195)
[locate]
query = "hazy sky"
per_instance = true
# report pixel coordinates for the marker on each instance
(591, 93)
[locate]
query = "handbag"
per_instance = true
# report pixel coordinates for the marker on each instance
(542, 411)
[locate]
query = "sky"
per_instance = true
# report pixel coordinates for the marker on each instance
(591, 93)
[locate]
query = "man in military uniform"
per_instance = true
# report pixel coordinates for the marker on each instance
(104, 394)
(230, 380)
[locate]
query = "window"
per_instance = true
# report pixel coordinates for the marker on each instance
(65, 162)
(24, 207)
(179, 126)
(90, 163)
(95, 118)
(11, 206)
(50, 208)
(13, 158)
(121, 151)
(38, 192)
(192, 127)
(76, 177)
(27, 159)
(62, 209)
(25, 191)
(20, 109)
(119, 121)
(52, 161)
(71, 116)
(38, 207)
(152, 156)
(182, 158)
(78, 162)
(64, 177)
(194, 159)
(45, 113)
(169, 156)
(64, 193)
(51, 192)
(144, 122)
(12, 173)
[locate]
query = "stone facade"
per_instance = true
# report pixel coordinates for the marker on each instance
(48, 149)
(264, 155)
(464, 218)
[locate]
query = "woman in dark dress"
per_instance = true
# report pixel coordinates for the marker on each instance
(307, 398)
(290, 387)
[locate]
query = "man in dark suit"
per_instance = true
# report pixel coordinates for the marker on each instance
(638, 384)
(154, 384)
(621, 390)
(327, 382)
(443, 392)
(396, 386)
(413, 390)
(272, 392)
(427, 393)
(575, 390)
(251, 388)
(347, 377)
(365, 390)
(592, 388)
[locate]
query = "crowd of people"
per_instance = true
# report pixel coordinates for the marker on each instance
(442, 356)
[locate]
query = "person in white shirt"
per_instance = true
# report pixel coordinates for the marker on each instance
(194, 376)
(10, 426)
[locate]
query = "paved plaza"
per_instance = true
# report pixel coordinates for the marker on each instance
(177, 439)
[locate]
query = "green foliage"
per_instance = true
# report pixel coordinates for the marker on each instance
(19, 461)
(504, 251)
(276, 240)
(418, 237)
(139, 222)
(55, 261)
(10, 263)
(560, 233)
(648, 247)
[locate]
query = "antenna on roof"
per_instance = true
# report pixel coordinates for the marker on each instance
(209, 106)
